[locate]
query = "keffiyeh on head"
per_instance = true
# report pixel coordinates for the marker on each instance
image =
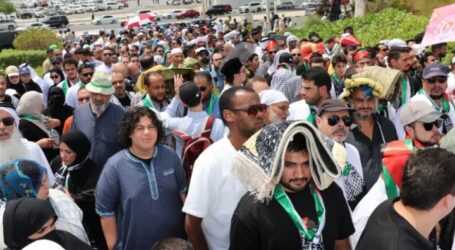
(259, 162)
(351, 84)
(271, 96)
(8, 107)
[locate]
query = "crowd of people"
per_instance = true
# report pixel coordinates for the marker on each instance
(227, 136)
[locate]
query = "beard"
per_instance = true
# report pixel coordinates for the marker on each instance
(98, 108)
(273, 117)
(437, 97)
(12, 148)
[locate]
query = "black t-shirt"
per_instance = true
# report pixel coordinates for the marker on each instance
(125, 101)
(387, 230)
(261, 225)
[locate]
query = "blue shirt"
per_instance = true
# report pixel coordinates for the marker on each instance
(102, 131)
(145, 199)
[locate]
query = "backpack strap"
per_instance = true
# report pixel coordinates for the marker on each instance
(208, 127)
(180, 134)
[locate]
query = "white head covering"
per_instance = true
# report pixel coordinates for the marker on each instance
(158, 59)
(13, 113)
(276, 61)
(43, 244)
(397, 43)
(176, 51)
(271, 96)
(291, 38)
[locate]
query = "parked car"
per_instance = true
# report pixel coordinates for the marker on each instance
(7, 24)
(35, 25)
(50, 12)
(173, 2)
(77, 9)
(219, 9)
(310, 6)
(288, 5)
(113, 6)
(39, 12)
(188, 14)
(56, 21)
(251, 7)
(100, 6)
(171, 15)
(187, 1)
(24, 14)
(65, 11)
(271, 6)
(105, 20)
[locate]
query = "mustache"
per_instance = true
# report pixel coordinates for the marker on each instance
(300, 179)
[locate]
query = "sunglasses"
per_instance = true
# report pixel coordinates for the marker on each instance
(87, 75)
(202, 89)
(253, 110)
(7, 121)
(55, 76)
(440, 79)
(334, 119)
(428, 126)
(271, 52)
(296, 54)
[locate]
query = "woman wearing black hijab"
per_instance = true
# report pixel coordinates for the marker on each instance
(78, 174)
(29, 219)
(56, 75)
(56, 107)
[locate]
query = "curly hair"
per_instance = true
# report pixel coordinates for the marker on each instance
(131, 118)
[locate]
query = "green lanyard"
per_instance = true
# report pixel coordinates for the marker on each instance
(147, 102)
(65, 87)
(404, 90)
(281, 197)
(346, 170)
(310, 117)
(390, 185)
(80, 84)
(30, 117)
(445, 103)
(336, 80)
(211, 104)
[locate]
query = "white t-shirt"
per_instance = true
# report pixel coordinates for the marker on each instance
(214, 193)
(104, 68)
(365, 208)
(298, 111)
(71, 95)
(353, 157)
(192, 124)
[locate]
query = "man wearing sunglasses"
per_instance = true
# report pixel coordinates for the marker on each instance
(334, 120)
(433, 91)
(13, 146)
(85, 72)
(421, 123)
(107, 58)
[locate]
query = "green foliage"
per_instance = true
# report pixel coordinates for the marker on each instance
(34, 58)
(36, 39)
(370, 29)
(7, 7)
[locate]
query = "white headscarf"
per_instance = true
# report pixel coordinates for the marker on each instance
(13, 113)
(271, 96)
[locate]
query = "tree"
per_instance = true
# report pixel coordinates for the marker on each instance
(360, 8)
(7, 7)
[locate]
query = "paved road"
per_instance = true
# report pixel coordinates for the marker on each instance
(82, 22)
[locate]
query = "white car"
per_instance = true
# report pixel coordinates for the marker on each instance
(36, 25)
(114, 6)
(171, 15)
(310, 6)
(77, 9)
(251, 7)
(7, 24)
(105, 20)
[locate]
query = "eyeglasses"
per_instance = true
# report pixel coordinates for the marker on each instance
(296, 54)
(253, 110)
(440, 79)
(428, 126)
(202, 89)
(87, 75)
(7, 121)
(334, 119)
(55, 76)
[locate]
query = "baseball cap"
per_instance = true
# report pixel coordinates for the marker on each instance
(12, 71)
(24, 70)
(190, 94)
(286, 58)
(435, 69)
(418, 110)
(332, 105)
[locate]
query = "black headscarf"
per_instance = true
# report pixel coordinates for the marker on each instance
(56, 107)
(58, 72)
(79, 143)
(22, 218)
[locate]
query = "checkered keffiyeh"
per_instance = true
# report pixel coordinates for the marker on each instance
(259, 162)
